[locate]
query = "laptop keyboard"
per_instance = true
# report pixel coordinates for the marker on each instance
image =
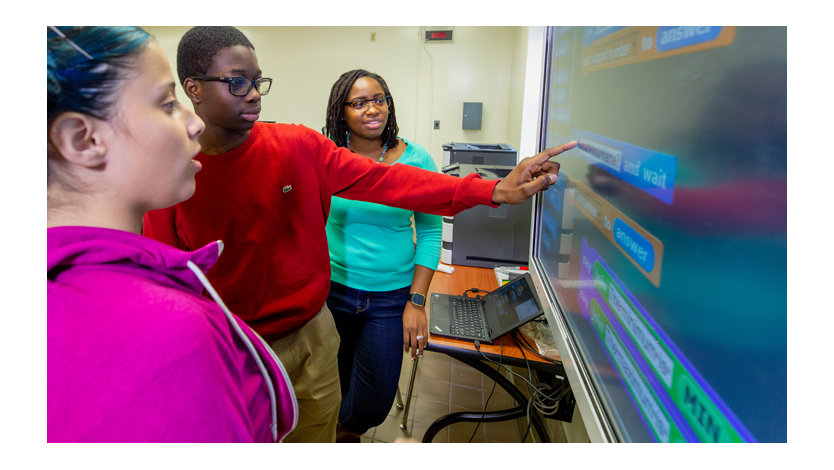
(466, 317)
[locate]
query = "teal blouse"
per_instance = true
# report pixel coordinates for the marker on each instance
(372, 246)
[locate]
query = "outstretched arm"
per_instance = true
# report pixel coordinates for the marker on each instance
(531, 175)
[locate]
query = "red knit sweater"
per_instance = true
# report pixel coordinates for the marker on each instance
(268, 201)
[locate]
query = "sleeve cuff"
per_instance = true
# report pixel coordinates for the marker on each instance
(480, 190)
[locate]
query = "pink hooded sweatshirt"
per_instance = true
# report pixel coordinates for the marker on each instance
(136, 353)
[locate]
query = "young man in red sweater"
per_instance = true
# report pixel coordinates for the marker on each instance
(265, 190)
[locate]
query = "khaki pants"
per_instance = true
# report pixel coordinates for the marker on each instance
(310, 358)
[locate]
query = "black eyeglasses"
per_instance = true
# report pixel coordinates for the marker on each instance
(241, 86)
(379, 102)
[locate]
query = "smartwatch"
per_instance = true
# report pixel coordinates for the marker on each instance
(418, 299)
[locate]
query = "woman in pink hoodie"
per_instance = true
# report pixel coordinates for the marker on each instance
(135, 352)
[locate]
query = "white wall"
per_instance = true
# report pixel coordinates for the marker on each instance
(429, 81)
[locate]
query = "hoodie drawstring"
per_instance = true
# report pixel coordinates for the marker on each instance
(273, 402)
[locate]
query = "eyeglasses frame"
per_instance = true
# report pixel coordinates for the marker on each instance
(366, 103)
(228, 80)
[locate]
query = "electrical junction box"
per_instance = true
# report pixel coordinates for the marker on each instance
(472, 115)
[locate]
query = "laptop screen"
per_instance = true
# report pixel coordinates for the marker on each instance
(515, 303)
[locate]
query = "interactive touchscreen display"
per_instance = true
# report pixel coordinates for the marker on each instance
(664, 239)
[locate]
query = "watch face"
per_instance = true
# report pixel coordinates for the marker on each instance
(418, 299)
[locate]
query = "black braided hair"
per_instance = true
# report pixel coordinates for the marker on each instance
(336, 127)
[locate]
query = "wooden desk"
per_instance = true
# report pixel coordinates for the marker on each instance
(467, 277)
(504, 350)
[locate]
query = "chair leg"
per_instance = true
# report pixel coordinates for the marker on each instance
(403, 424)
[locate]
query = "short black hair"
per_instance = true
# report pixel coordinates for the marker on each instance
(336, 128)
(200, 44)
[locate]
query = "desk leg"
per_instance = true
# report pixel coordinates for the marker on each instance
(490, 416)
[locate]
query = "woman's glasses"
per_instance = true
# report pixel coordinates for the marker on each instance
(361, 105)
(240, 86)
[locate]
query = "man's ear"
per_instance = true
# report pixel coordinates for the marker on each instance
(79, 140)
(193, 89)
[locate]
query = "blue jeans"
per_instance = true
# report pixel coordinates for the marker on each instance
(371, 352)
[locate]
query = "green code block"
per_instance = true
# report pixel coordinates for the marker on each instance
(700, 412)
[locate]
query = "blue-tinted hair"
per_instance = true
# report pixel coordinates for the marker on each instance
(78, 83)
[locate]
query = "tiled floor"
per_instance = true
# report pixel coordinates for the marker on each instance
(444, 385)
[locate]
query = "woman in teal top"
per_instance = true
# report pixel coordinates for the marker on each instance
(380, 276)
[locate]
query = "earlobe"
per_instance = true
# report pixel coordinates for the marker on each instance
(77, 137)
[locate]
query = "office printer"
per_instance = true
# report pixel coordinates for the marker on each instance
(488, 154)
(484, 236)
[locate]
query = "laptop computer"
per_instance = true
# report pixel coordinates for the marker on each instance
(488, 317)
